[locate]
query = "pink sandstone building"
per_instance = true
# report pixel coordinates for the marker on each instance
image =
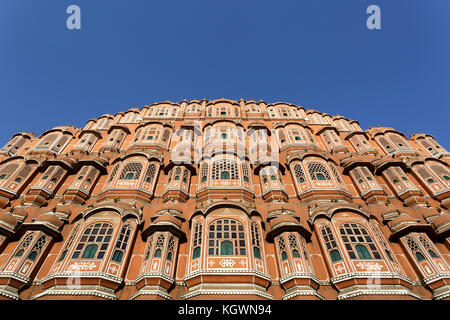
(224, 199)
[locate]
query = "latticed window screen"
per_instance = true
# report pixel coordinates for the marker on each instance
(61, 143)
(177, 175)
(204, 172)
(336, 174)
(94, 241)
(415, 249)
(148, 248)
(426, 244)
(8, 170)
(282, 248)
(159, 245)
(224, 169)
(317, 171)
(245, 172)
(170, 248)
(47, 141)
(299, 174)
(331, 244)
(150, 173)
(24, 245)
(113, 172)
(400, 142)
(131, 171)
(226, 237)
(185, 175)
(383, 141)
(441, 171)
(357, 239)
(425, 174)
(37, 248)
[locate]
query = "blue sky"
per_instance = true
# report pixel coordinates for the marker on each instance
(316, 53)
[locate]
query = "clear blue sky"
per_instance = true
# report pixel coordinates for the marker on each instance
(315, 53)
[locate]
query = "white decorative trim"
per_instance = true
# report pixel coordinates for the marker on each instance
(436, 277)
(154, 291)
(9, 292)
(301, 291)
(79, 274)
(226, 292)
(15, 276)
(441, 293)
(295, 275)
(225, 272)
(359, 275)
(358, 291)
(88, 291)
(154, 275)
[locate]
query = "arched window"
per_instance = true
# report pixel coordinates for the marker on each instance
(197, 240)
(224, 175)
(331, 244)
(356, 238)
(419, 256)
(129, 176)
(196, 253)
(121, 243)
(335, 255)
(229, 231)
(157, 253)
(94, 241)
(317, 171)
(256, 243)
(24, 245)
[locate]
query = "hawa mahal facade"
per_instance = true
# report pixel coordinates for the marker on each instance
(224, 199)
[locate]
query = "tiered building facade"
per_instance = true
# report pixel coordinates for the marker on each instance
(224, 200)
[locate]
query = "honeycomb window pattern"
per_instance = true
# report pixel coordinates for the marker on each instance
(317, 171)
(225, 169)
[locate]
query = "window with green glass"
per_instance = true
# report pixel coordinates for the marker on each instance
(257, 252)
(362, 251)
(226, 248)
(117, 256)
(90, 251)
